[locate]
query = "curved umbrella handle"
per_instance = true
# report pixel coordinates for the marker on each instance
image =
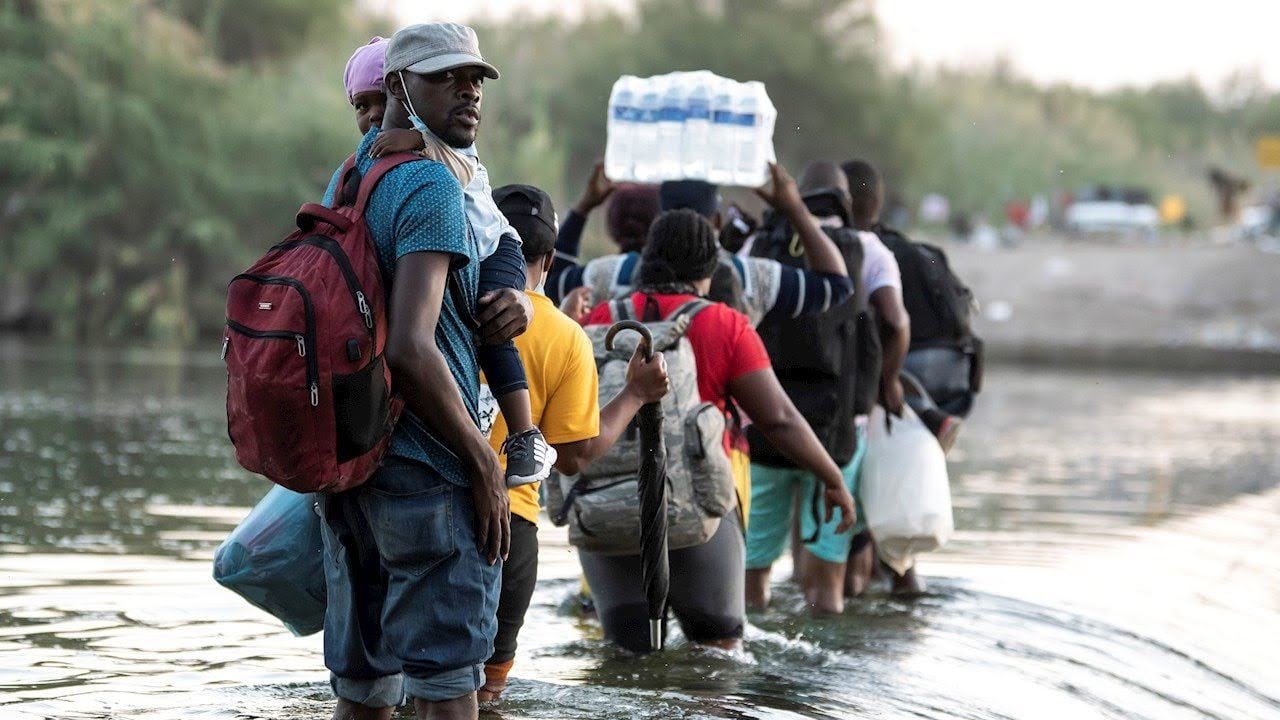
(646, 337)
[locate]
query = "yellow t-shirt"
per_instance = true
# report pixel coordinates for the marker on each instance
(563, 388)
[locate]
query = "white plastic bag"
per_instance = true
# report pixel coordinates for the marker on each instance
(906, 496)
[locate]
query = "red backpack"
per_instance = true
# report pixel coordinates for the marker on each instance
(309, 402)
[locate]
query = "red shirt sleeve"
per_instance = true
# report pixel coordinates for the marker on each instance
(749, 353)
(599, 316)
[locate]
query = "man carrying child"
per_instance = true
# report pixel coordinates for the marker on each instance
(412, 557)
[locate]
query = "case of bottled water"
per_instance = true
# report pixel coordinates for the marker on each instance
(689, 126)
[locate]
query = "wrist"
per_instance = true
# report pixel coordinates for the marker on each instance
(481, 461)
(583, 207)
(632, 395)
(795, 210)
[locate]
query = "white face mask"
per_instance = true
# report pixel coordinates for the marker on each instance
(408, 101)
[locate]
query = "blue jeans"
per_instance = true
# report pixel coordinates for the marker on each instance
(412, 603)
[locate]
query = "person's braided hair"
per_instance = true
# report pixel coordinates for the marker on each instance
(681, 250)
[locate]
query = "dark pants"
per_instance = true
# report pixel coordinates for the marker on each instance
(501, 364)
(706, 590)
(519, 575)
(944, 373)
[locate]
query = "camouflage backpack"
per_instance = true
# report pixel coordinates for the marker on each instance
(601, 504)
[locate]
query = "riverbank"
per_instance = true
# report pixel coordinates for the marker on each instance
(1161, 307)
(1173, 306)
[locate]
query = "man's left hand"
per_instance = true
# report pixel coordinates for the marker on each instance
(504, 314)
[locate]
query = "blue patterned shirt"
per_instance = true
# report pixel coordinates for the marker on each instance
(417, 207)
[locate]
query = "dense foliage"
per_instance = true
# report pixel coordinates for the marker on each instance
(150, 148)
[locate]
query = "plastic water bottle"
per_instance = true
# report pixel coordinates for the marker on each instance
(671, 118)
(695, 152)
(644, 149)
(768, 119)
(749, 168)
(721, 147)
(618, 153)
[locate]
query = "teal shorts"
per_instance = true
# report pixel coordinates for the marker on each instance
(775, 493)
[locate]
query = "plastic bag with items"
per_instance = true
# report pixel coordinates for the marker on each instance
(275, 560)
(905, 492)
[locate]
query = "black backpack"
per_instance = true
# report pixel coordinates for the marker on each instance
(816, 358)
(938, 302)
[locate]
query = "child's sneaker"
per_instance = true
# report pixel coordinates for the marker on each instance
(529, 458)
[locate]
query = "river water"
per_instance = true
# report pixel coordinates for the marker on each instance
(1117, 555)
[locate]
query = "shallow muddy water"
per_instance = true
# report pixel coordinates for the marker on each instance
(1117, 554)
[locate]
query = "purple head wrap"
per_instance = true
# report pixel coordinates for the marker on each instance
(364, 69)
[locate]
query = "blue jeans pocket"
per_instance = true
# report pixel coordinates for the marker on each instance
(413, 530)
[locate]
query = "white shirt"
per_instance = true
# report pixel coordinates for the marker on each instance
(488, 224)
(879, 266)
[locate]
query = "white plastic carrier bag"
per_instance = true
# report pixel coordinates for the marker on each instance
(904, 490)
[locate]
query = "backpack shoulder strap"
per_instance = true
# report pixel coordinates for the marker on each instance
(689, 309)
(620, 309)
(348, 184)
(371, 178)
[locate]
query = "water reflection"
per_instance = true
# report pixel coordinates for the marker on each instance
(1102, 568)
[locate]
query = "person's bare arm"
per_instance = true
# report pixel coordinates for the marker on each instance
(776, 417)
(784, 196)
(646, 383)
(895, 339)
(423, 378)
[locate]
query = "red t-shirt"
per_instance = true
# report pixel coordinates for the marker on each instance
(725, 345)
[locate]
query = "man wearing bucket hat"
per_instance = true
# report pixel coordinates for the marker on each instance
(413, 556)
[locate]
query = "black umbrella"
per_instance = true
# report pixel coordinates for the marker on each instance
(651, 486)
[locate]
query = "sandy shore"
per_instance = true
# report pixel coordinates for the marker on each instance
(1167, 306)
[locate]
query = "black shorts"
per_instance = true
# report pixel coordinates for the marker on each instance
(519, 575)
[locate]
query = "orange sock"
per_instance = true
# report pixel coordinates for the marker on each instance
(495, 677)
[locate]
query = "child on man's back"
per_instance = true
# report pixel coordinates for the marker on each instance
(529, 457)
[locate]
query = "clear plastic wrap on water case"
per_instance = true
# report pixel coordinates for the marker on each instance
(689, 126)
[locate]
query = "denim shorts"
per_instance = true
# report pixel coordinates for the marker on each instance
(412, 602)
(774, 494)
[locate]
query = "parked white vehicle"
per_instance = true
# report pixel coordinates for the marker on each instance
(1107, 211)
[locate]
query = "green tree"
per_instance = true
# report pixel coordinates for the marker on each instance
(138, 170)
(256, 30)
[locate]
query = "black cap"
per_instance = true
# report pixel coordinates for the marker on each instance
(530, 212)
(697, 195)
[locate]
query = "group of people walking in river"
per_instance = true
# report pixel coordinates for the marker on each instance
(795, 322)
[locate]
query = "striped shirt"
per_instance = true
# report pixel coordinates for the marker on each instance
(768, 286)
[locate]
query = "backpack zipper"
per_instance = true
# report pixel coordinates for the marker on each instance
(277, 335)
(308, 339)
(331, 246)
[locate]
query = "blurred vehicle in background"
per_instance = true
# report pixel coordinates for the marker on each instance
(1107, 210)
